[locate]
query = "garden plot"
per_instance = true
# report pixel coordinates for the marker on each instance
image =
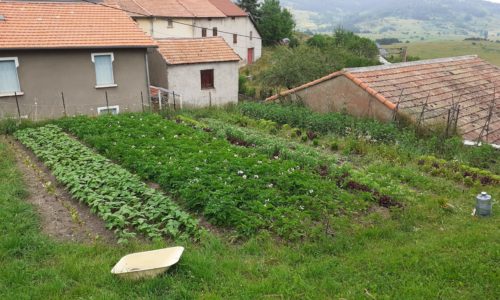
(117, 196)
(233, 186)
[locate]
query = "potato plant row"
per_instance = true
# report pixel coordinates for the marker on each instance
(116, 195)
(233, 186)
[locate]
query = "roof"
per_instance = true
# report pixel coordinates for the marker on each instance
(467, 81)
(180, 8)
(193, 51)
(49, 25)
(229, 8)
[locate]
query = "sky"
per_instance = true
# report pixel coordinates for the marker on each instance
(496, 1)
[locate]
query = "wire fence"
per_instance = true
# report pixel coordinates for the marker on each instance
(35, 108)
(465, 113)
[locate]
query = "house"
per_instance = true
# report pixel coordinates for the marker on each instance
(203, 71)
(195, 19)
(70, 58)
(466, 88)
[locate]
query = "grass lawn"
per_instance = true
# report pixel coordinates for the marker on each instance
(424, 251)
(489, 51)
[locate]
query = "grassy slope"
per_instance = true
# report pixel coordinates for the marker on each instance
(489, 51)
(424, 252)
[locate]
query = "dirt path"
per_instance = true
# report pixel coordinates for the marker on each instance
(62, 217)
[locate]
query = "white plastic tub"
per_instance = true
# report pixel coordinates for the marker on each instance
(147, 264)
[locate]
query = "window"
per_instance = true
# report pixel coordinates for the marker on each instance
(110, 110)
(233, 18)
(235, 39)
(251, 35)
(214, 31)
(207, 79)
(170, 23)
(9, 81)
(103, 69)
(203, 32)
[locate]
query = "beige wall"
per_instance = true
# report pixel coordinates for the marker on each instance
(44, 74)
(158, 28)
(341, 94)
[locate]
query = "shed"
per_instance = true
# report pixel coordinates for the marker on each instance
(203, 71)
(427, 91)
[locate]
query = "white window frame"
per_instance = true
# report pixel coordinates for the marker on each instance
(100, 109)
(16, 62)
(93, 55)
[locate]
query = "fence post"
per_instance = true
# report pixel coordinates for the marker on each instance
(64, 104)
(209, 99)
(173, 95)
(107, 102)
(142, 102)
(159, 99)
(18, 110)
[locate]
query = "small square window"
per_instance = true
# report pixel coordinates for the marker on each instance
(203, 32)
(9, 83)
(170, 23)
(108, 110)
(235, 39)
(207, 79)
(214, 31)
(103, 63)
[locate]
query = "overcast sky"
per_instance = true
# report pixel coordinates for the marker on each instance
(496, 1)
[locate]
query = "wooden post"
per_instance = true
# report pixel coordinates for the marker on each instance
(209, 99)
(173, 95)
(64, 104)
(142, 102)
(159, 99)
(17, 103)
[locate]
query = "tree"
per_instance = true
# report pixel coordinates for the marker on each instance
(250, 6)
(275, 23)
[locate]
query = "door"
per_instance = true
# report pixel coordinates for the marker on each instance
(250, 56)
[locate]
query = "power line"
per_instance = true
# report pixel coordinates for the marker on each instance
(176, 22)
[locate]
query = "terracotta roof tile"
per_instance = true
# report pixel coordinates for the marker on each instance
(229, 8)
(170, 8)
(44, 25)
(192, 51)
(468, 80)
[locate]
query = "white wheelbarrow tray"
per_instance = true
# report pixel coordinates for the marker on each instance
(147, 264)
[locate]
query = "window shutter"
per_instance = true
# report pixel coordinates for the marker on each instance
(214, 31)
(203, 32)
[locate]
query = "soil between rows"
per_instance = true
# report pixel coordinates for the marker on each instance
(62, 217)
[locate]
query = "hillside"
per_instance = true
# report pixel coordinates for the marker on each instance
(409, 20)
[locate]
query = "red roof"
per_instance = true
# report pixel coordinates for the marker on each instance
(193, 51)
(49, 25)
(178, 8)
(467, 81)
(229, 8)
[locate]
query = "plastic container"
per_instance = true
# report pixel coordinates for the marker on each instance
(147, 264)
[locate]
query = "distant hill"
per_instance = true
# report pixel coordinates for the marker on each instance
(404, 19)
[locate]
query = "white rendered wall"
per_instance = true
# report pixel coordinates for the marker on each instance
(186, 81)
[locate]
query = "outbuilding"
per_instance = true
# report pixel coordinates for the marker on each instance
(67, 58)
(462, 91)
(202, 71)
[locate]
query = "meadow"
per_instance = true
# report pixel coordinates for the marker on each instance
(289, 206)
(487, 50)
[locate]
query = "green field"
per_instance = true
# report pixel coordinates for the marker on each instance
(293, 206)
(489, 51)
